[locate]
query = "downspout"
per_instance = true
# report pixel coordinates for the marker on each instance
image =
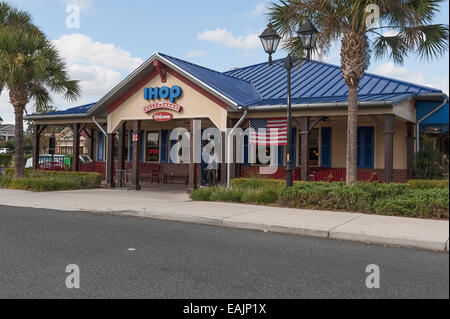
(444, 102)
(229, 141)
(107, 143)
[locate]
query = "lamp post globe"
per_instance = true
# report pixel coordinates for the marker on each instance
(270, 40)
(308, 36)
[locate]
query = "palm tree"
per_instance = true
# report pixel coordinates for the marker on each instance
(402, 28)
(30, 67)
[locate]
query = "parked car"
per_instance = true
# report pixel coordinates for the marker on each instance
(5, 150)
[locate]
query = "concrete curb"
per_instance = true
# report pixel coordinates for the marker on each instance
(403, 242)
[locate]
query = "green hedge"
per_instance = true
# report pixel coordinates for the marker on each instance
(420, 199)
(425, 183)
(44, 181)
(6, 160)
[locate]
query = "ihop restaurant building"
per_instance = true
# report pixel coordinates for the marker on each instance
(129, 128)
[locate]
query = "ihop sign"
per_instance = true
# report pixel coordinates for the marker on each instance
(164, 92)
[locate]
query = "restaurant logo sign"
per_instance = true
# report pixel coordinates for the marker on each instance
(162, 117)
(163, 105)
(164, 92)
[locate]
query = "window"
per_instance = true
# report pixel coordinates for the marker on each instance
(152, 147)
(313, 152)
(365, 147)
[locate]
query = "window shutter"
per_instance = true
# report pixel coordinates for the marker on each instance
(246, 148)
(100, 146)
(294, 146)
(326, 147)
(365, 147)
(141, 138)
(130, 155)
(280, 155)
(164, 146)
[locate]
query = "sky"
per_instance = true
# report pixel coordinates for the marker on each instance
(114, 37)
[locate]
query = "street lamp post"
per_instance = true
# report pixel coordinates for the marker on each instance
(270, 40)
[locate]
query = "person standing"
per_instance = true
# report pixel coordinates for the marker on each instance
(212, 169)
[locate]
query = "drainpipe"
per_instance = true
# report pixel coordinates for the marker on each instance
(107, 143)
(229, 141)
(444, 102)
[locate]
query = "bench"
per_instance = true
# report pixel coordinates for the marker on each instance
(173, 177)
(151, 171)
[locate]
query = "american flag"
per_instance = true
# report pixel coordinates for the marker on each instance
(274, 131)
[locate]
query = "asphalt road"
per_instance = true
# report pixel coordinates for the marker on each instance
(179, 260)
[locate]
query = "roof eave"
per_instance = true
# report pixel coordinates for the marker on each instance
(145, 65)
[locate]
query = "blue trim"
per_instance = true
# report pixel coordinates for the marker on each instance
(365, 158)
(325, 155)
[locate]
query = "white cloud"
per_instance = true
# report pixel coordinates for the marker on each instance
(195, 54)
(84, 5)
(260, 8)
(414, 76)
(6, 109)
(79, 48)
(226, 38)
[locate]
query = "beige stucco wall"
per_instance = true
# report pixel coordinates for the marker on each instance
(195, 105)
(339, 142)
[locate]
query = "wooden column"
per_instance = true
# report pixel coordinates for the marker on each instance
(410, 149)
(193, 167)
(76, 147)
(223, 165)
(136, 156)
(110, 171)
(389, 148)
(37, 130)
(304, 124)
(122, 143)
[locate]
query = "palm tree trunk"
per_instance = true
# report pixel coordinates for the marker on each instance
(352, 134)
(19, 157)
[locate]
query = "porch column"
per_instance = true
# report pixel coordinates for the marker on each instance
(76, 147)
(304, 124)
(389, 148)
(37, 130)
(136, 156)
(193, 167)
(223, 165)
(410, 149)
(122, 142)
(110, 168)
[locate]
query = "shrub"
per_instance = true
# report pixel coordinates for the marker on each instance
(423, 183)
(42, 181)
(420, 199)
(6, 160)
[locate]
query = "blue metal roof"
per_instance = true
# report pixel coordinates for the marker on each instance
(321, 82)
(440, 117)
(79, 110)
(238, 90)
(262, 85)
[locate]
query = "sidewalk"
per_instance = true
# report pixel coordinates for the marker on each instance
(172, 204)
